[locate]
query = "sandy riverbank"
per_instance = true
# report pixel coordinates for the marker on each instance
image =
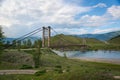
(112, 61)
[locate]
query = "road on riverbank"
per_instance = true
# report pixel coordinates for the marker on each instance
(5, 72)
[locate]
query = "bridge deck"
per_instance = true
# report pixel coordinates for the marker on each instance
(69, 45)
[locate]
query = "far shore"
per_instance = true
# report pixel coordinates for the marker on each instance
(103, 60)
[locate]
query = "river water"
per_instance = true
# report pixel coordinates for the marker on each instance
(90, 54)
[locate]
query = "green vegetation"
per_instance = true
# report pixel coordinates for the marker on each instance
(1, 40)
(115, 43)
(112, 44)
(115, 40)
(65, 39)
(54, 67)
(69, 40)
(15, 60)
(39, 73)
(26, 67)
(37, 54)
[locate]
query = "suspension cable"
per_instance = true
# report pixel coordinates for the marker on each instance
(62, 37)
(25, 36)
(29, 35)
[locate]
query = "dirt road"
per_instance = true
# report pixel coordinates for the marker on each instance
(4, 72)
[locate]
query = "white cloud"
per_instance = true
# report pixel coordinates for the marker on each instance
(93, 21)
(43, 11)
(6, 22)
(72, 31)
(99, 31)
(114, 11)
(101, 5)
(29, 12)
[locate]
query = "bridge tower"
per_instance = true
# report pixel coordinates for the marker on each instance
(46, 36)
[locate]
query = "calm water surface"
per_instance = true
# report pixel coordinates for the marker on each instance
(91, 54)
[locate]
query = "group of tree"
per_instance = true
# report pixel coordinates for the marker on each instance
(1, 40)
(22, 44)
(25, 44)
(37, 55)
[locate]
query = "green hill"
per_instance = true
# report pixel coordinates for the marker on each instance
(115, 40)
(65, 39)
(62, 39)
(93, 41)
(68, 39)
(114, 43)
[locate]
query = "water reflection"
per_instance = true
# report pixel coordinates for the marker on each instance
(91, 54)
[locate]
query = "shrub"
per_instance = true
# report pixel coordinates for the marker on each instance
(39, 73)
(26, 67)
(58, 66)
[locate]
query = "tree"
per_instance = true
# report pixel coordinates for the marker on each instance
(14, 43)
(37, 55)
(35, 43)
(24, 44)
(7, 44)
(29, 43)
(1, 40)
(18, 45)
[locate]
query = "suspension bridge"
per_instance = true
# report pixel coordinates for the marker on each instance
(46, 39)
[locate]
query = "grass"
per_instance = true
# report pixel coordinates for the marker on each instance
(18, 77)
(54, 67)
(115, 40)
(15, 60)
(68, 39)
(8, 65)
(115, 43)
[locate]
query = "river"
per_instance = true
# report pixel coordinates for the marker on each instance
(100, 55)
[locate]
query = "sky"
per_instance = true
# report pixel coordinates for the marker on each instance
(18, 17)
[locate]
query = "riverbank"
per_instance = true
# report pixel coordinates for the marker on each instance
(103, 60)
(54, 67)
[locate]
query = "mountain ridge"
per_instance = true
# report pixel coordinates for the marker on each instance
(102, 37)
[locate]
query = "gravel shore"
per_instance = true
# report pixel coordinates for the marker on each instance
(103, 60)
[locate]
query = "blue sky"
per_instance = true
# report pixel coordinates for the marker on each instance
(19, 17)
